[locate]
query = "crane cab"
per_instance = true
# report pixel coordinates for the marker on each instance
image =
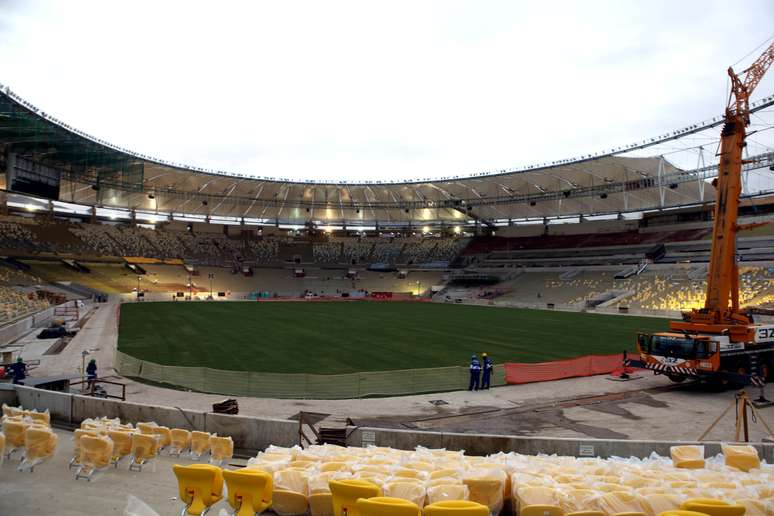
(680, 355)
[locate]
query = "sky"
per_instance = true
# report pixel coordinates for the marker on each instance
(377, 90)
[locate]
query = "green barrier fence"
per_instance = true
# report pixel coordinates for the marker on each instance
(303, 386)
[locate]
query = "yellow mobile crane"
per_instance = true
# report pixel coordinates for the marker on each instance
(720, 340)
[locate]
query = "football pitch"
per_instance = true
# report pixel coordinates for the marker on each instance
(347, 337)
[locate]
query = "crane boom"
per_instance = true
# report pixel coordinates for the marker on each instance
(722, 302)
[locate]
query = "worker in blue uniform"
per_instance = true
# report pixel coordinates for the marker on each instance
(475, 373)
(19, 370)
(91, 372)
(488, 369)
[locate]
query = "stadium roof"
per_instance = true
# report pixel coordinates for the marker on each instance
(94, 173)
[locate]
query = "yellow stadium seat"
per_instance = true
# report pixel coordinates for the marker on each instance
(333, 466)
(14, 435)
(712, 507)
(753, 507)
(410, 491)
(743, 457)
(249, 490)
(43, 418)
(122, 445)
(180, 441)
(444, 473)
(146, 428)
(144, 449)
(687, 457)
(95, 455)
(9, 411)
(456, 508)
(619, 502)
(446, 492)
(541, 510)
(681, 512)
(386, 506)
(289, 493)
(221, 450)
(486, 491)
(345, 493)
(656, 503)
(200, 444)
(576, 500)
(409, 473)
(200, 486)
(39, 445)
(77, 435)
(163, 436)
(584, 513)
(321, 504)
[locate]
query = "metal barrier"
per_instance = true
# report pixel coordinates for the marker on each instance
(302, 385)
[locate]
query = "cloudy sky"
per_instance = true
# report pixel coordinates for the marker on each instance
(376, 91)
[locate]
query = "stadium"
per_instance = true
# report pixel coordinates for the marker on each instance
(308, 343)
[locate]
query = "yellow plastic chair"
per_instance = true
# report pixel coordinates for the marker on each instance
(386, 506)
(77, 435)
(456, 508)
(712, 507)
(444, 473)
(95, 455)
(14, 436)
(39, 445)
(9, 411)
(289, 493)
(576, 500)
(249, 490)
(584, 513)
(122, 445)
(753, 507)
(221, 450)
(328, 467)
(180, 441)
(41, 418)
(541, 510)
(200, 486)
(345, 493)
(630, 513)
(409, 473)
(413, 492)
(656, 503)
(446, 492)
(200, 444)
(321, 504)
(163, 436)
(743, 456)
(619, 502)
(146, 428)
(144, 449)
(687, 457)
(486, 491)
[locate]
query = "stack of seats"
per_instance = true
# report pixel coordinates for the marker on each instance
(29, 433)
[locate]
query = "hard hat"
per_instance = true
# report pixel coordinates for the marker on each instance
(483, 354)
(19, 359)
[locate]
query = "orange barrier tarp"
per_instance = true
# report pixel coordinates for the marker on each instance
(588, 365)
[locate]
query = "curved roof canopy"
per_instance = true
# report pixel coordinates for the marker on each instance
(93, 172)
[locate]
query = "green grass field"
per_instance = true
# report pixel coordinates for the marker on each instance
(332, 338)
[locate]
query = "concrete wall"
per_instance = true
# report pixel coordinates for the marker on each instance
(482, 444)
(20, 328)
(249, 433)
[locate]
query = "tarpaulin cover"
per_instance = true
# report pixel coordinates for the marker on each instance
(588, 365)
